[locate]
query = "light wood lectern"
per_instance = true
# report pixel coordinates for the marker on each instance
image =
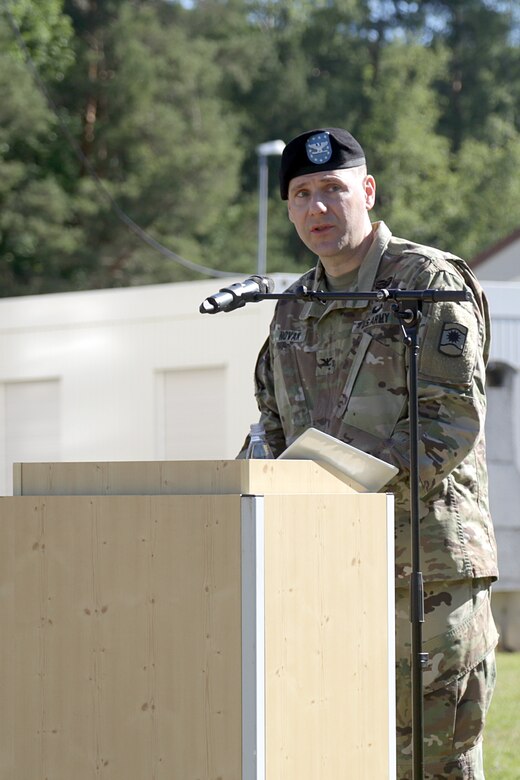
(227, 620)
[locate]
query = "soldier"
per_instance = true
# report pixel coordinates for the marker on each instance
(341, 367)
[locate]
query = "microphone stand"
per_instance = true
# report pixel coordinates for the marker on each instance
(407, 307)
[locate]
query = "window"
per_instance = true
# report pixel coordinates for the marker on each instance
(184, 434)
(501, 412)
(31, 425)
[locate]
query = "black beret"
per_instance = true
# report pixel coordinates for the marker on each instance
(324, 149)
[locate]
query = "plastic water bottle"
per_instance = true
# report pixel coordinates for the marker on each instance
(258, 444)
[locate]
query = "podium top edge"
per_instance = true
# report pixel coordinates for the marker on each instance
(179, 477)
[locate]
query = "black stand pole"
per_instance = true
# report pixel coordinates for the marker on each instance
(409, 319)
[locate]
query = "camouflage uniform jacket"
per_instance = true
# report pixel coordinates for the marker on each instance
(341, 366)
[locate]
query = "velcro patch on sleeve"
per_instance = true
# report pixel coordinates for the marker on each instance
(453, 339)
(449, 344)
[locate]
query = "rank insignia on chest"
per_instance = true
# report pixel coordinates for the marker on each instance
(325, 366)
(453, 339)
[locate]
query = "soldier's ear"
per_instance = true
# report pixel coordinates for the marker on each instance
(289, 213)
(369, 185)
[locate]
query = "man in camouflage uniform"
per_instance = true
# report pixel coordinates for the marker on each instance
(341, 367)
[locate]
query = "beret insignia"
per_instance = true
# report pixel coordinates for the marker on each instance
(318, 148)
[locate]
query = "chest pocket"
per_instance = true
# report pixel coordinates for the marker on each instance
(346, 393)
(375, 394)
(291, 382)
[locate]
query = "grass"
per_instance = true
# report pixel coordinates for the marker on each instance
(502, 733)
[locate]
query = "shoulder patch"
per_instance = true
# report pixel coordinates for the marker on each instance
(449, 341)
(453, 339)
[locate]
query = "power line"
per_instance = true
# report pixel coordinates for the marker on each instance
(128, 221)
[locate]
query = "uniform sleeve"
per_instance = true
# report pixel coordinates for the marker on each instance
(266, 400)
(451, 392)
(451, 387)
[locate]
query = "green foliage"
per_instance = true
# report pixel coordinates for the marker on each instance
(157, 108)
(502, 732)
(45, 31)
(159, 136)
(483, 67)
(488, 187)
(38, 239)
(417, 186)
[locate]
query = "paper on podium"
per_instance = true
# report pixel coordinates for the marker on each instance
(369, 472)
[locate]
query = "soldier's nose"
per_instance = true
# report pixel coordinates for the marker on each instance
(317, 206)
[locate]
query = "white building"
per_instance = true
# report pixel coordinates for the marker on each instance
(126, 374)
(503, 444)
(498, 269)
(500, 262)
(140, 374)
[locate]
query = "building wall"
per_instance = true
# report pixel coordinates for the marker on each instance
(126, 374)
(502, 265)
(503, 444)
(140, 374)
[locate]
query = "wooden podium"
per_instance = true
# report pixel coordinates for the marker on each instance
(229, 620)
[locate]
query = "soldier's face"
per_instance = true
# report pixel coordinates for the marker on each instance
(329, 210)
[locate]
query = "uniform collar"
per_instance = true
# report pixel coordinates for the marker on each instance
(365, 279)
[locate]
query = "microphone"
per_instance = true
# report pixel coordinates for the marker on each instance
(237, 295)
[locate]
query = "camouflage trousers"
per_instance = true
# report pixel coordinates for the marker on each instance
(459, 636)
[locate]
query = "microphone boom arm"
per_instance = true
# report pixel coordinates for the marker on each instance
(426, 296)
